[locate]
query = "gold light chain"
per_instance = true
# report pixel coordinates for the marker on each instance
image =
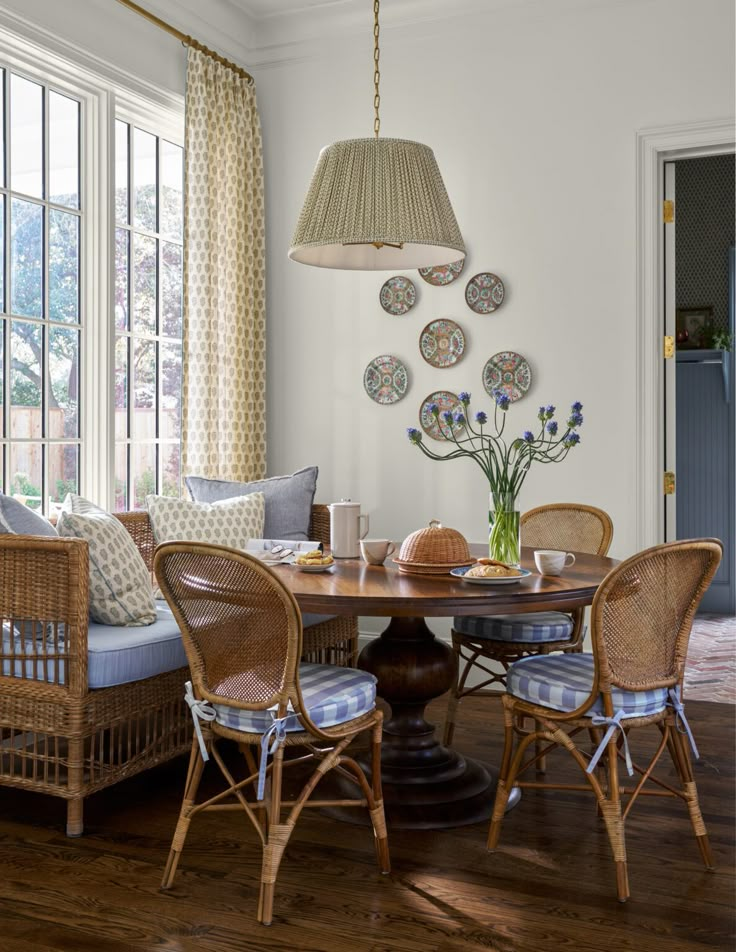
(376, 71)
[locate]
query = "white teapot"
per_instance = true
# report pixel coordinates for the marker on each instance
(345, 529)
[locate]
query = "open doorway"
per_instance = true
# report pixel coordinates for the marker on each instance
(699, 396)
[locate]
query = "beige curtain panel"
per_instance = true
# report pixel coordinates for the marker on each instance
(224, 373)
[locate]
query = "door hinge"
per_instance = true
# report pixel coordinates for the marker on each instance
(669, 346)
(669, 483)
(668, 211)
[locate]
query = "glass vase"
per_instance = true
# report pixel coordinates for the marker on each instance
(504, 529)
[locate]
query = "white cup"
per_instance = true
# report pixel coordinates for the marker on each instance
(552, 562)
(375, 551)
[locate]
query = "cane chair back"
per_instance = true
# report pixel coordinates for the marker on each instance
(240, 626)
(643, 612)
(567, 526)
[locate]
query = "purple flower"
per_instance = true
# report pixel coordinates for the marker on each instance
(447, 416)
(434, 409)
(414, 435)
(549, 411)
(464, 397)
(576, 419)
(577, 406)
(552, 427)
(502, 399)
(572, 439)
(542, 415)
(528, 436)
(459, 417)
(481, 417)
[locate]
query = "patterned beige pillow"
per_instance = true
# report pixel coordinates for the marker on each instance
(120, 590)
(229, 522)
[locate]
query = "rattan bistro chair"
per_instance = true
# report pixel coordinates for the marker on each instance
(641, 620)
(503, 639)
(242, 633)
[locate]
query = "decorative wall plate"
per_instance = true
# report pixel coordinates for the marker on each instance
(445, 400)
(443, 274)
(509, 372)
(442, 343)
(385, 379)
(484, 293)
(398, 295)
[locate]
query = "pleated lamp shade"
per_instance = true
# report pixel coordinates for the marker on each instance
(377, 204)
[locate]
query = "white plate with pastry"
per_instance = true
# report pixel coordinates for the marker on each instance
(490, 574)
(315, 561)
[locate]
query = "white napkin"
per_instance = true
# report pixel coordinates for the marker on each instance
(261, 549)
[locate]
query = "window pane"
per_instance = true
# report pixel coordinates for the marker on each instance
(144, 287)
(171, 466)
(144, 179)
(171, 289)
(2, 241)
(2, 128)
(170, 391)
(63, 471)
(26, 258)
(144, 362)
(122, 283)
(2, 379)
(172, 189)
(121, 388)
(26, 136)
(26, 355)
(121, 477)
(26, 467)
(63, 150)
(143, 472)
(64, 383)
(63, 266)
(122, 213)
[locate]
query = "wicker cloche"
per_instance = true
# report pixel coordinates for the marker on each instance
(433, 551)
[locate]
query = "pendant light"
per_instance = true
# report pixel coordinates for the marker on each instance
(376, 204)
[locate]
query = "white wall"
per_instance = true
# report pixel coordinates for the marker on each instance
(532, 114)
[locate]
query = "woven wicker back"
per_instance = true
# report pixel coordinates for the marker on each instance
(643, 612)
(241, 627)
(567, 526)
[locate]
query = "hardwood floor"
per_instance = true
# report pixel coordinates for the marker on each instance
(551, 886)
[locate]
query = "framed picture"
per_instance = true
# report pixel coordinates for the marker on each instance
(690, 322)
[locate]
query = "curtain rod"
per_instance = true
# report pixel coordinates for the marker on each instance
(185, 39)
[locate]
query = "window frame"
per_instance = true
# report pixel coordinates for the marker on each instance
(105, 93)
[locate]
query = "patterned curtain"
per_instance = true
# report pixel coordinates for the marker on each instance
(224, 359)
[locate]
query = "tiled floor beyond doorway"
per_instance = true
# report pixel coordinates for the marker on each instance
(710, 674)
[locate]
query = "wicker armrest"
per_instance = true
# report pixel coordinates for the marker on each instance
(44, 609)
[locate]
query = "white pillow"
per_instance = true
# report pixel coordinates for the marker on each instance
(230, 522)
(120, 590)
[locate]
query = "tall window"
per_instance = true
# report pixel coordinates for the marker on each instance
(148, 308)
(40, 226)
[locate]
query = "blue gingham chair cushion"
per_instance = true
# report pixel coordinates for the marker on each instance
(534, 627)
(563, 682)
(331, 696)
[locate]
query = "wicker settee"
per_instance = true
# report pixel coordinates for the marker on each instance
(58, 736)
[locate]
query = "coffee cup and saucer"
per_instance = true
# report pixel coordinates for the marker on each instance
(376, 551)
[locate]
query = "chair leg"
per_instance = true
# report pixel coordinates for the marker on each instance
(453, 699)
(278, 837)
(75, 816)
(681, 757)
(505, 780)
(610, 807)
(194, 775)
(539, 745)
(75, 805)
(378, 818)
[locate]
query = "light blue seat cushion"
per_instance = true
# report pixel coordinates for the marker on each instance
(534, 627)
(331, 696)
(563, 682)
(288, 500)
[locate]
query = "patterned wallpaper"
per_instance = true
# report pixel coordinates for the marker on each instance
(704, 202)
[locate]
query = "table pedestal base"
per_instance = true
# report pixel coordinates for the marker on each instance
(425, 784)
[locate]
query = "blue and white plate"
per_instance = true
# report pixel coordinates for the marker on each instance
(501, 580)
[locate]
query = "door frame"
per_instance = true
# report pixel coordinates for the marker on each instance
(654, 146)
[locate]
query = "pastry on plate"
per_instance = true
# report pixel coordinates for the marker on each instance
(489, 568)
(315, 557)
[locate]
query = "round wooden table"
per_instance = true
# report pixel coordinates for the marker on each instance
(428, 785)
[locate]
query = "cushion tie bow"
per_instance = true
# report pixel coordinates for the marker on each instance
(681, 723)
(614, 724)
(270, 743)
(201, 711)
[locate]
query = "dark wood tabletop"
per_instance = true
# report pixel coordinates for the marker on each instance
(354, 588)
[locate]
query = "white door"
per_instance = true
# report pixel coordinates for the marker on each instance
(668, 351)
